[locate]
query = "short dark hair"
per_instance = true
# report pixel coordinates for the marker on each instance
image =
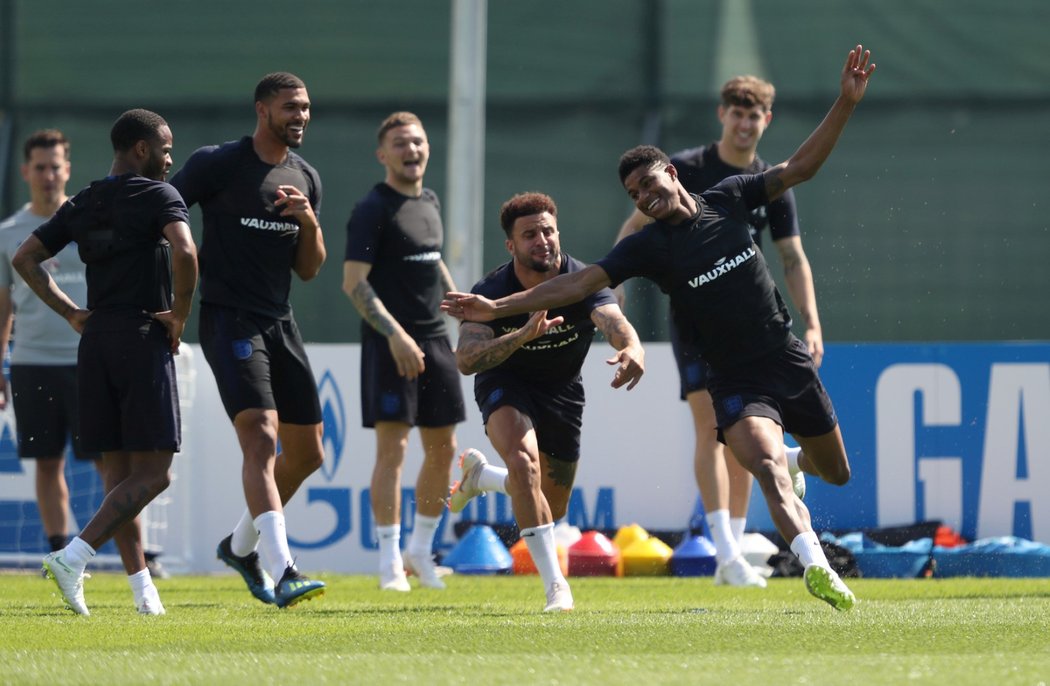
(641, 155)
(523, 205)
(45, 138)
(134, 126)
(395, 120)
(748, 91)
(273, 83)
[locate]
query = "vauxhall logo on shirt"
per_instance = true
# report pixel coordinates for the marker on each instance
(722, 266)
(264, 225)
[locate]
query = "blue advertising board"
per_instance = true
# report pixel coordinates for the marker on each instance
(956, 432)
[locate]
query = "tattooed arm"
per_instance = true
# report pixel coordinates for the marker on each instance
(406, 353)
(28, 261)
(622, 336)
(479, 349)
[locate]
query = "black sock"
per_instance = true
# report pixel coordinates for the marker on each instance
(56, 542)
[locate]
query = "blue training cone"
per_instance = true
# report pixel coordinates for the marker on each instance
(694, 556)
(479, 552)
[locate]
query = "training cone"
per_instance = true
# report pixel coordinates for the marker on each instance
(593, 555)
(694, 556)
(628, 535)
(479, 552)
(523, 563)
(646, 557)
(566, 534)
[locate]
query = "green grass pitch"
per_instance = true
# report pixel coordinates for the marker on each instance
(490, 630)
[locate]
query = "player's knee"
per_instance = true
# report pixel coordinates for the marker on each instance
(767, 473)
(523, 473)
(159, 482)
(839, 476)
(311, 462)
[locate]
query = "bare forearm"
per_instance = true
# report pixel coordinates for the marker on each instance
(477, 352)
(799, 279)
(619, 332)
(310, 253)
(559, 291)
(447, 284)
(810, 156)
(184, 278)
(372, 310)
(6, 317)
(40, 281)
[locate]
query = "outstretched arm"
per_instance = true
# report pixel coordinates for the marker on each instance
(803, 165)
(561, 290)
(622, 336)
(27, 261)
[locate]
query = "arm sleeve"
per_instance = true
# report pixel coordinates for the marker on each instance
(55, 233)
(315, 192)
(195, 181)
(738, 195)
(171, 207)
(628, 258)
(362, 231)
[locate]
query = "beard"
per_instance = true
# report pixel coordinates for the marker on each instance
(545, 265)
(284, 135)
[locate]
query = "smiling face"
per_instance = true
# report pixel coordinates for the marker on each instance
(653, 190)
(404, 151)
(742, 127)
(534, 242)
(286, 115)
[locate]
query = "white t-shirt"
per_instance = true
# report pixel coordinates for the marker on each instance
(40, 335)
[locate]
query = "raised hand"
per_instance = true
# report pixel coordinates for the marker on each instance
(856, 73)
(538, 325)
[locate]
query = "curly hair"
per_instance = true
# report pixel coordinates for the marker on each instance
(641, 155)
(523, 205)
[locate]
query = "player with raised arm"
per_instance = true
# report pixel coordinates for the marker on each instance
(700, 251)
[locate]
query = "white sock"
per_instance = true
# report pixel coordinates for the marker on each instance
(78, 553)
(421, 543)
(792, 456)
(726, 547)
(737, 525)
(540, 542)
(493, 479)
(273, 542)
(245, 537)
(390, 548)
(806, 547)
(139, 582)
